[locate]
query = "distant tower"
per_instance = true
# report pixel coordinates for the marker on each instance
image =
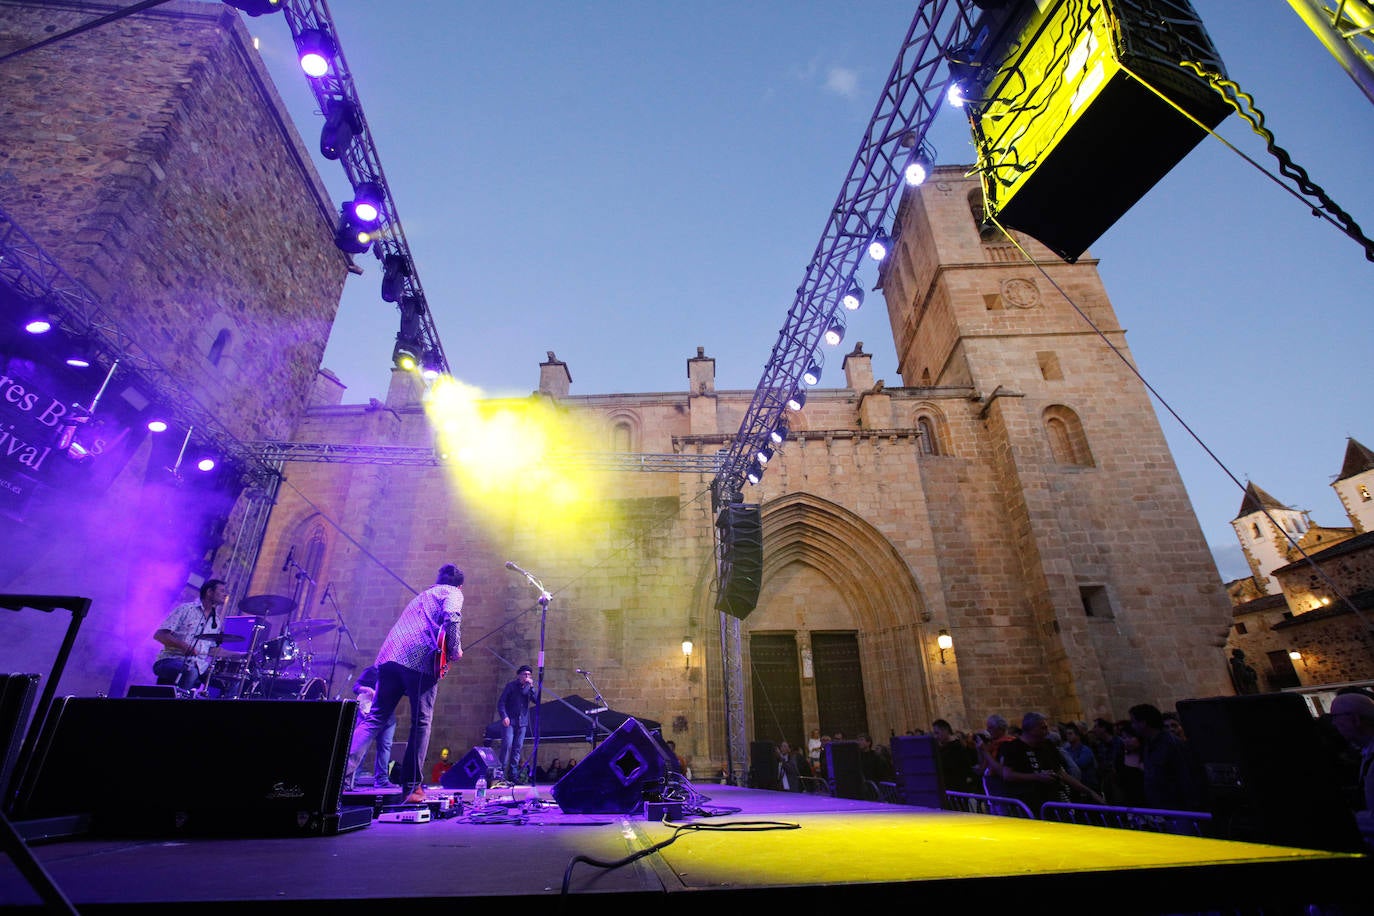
(1260, 527)
(1355, 486)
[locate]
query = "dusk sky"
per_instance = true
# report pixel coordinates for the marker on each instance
(622, 182)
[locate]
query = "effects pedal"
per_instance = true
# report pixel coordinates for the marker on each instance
(405, 814)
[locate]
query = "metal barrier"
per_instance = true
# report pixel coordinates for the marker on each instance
(1154, 820)
(987, 804)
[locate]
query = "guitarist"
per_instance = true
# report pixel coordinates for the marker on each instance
(412, 659)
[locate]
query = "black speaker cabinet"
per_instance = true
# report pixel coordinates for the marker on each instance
(916, 760)
(740, 530)
(17, 693)
(478, 763)
(610, 780)
(203, 767)
(843, 770)
(1269, 777)
(763, 765)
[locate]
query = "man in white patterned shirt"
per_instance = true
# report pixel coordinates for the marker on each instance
(185, 656)
(412, 659)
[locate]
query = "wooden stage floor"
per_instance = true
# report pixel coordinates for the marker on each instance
(802, 851)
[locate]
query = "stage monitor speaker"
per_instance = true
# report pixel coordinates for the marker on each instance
(917, 762)
(763, 765)
(842, 769)
(191, 767)
(1269, 775)
(1070, 136)
(611, 779)
(740, 533)
(478, 763)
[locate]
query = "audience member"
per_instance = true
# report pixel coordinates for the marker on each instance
(1130, 768)
(955, 759)
(1353, 716)
(1081, 756)
(872, 764)
(988, 753)
(789, 779)
(1172, 778)
(1032, 769)
(1107, 749)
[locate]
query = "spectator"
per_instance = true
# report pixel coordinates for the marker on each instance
(989, 751)
(1107, 749)
(872, 765)
(955, 759)
(1081, 755)
(789, 777)
(1032, 768)
(1130, 768)
(1352, 714)
(1172, 778)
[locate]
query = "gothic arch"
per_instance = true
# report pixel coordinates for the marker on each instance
(623, 427)
(881, 598)
(1068, 441)
(933, 429)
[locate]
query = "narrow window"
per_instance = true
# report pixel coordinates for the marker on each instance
(219, 346)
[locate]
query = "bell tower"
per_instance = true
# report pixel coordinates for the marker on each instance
(1101, 574)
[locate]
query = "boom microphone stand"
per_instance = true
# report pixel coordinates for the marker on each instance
(544, 599)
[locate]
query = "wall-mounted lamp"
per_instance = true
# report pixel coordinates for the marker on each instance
(687, 652)
(944, 641)
(1296, 656)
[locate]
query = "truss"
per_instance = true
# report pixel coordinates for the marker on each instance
(279, 453)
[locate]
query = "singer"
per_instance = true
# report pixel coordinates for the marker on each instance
(513, 709)
(185, 656)
(412, 659)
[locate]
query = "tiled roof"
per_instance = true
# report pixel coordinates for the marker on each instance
(1358, 459)
(1255, 500)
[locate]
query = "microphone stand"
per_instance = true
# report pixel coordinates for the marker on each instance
(601, 707)
(544, 599)
(338, 640)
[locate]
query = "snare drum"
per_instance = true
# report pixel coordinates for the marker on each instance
(229, 676)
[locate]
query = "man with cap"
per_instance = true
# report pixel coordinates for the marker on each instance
(412, 659)
(513, 709)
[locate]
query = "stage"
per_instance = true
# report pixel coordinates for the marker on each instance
(783, 848)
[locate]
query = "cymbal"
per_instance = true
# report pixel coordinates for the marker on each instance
(303, 629)
(220, 637)
(266, 604)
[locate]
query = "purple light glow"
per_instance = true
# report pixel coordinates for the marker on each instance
(206, 464)
(38, 326)
(157, 426)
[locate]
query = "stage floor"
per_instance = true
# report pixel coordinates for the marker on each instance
(783, 848)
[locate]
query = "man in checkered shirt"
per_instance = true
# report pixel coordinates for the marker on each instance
(412, 659)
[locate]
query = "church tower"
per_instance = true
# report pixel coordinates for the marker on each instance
(1090, 566)
(1355, 486)
(1264, 527)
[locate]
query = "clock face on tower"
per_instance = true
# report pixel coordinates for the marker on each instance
(1021, 294)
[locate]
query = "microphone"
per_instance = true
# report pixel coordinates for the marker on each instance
(326, 593)
(510, 564)
(290, 555)
(582, 671)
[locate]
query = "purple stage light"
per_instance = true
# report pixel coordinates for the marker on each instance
(206, 464)
(38, 325)
(315, 51)
(157, 426)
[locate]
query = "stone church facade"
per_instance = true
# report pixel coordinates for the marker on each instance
(1015, 492)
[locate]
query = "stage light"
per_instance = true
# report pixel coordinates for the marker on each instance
(879, 245)
(812, 375)
(351, 237)
(431, 368)
(39, 320)
(835, 332)
(797, 401)
(315, 50)
(341, 125)
(955, 95)
(395, 271)
(79, 361)
(256, 7)
(206, 464)
(755, 472)
(853, 297)
(779, 434)
(157, 426)
(765, 455)
(917, 170)
(366, 206)
(405, 355)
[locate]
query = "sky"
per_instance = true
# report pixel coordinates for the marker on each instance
(622, 182)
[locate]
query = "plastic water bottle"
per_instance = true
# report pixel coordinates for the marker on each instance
(481, 789)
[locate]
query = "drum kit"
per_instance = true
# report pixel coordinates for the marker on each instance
(285, 667)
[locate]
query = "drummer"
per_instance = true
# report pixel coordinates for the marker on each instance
(186, 652)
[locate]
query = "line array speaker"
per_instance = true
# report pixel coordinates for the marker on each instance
(740, 531)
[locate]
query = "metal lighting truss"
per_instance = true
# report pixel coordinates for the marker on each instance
(278, 453)
(895, 135)
(32, 273)
(361, 163)
(1347, 31)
